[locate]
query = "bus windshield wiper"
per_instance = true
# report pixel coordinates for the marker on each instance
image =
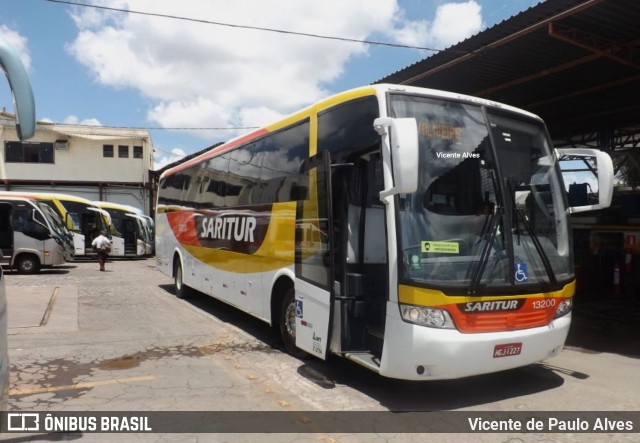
(520, 215)
(486, 249)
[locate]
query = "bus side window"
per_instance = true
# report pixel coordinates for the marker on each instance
(348, 128)
(281, 176)
(20, 220)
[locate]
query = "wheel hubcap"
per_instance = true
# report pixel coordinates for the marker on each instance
(179, 278)
(290, 320)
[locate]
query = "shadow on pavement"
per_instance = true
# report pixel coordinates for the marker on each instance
(611, 326)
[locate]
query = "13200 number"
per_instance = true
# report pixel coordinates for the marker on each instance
(543, 304)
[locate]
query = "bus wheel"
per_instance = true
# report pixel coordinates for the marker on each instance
(28, 264)
(182, 290)
(287, 323)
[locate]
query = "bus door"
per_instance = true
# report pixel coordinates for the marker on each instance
(314, 261)
(142, 242)
(73, 223)
(6, 234)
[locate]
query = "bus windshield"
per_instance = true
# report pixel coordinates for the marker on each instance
(85, 218)
(489, 213)
(53, 219)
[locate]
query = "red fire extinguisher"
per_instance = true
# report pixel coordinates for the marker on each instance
(616, 278)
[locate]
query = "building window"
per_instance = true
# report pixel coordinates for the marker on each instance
(137, 152)
(20, 152)
(123, 151)
(107, 150)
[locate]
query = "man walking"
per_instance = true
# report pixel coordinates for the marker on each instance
(102, 245)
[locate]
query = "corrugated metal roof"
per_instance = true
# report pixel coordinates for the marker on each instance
(574, 85)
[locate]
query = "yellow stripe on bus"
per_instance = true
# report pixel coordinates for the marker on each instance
(432, 297)
(237, 262)
(344, 97)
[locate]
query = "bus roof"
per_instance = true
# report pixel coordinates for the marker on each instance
(56, 195)
(17, 198)
(378, 89)
(26, 200)
(118, 206)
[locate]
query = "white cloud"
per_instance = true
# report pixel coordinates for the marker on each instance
(452, 23)
(411, 33)
(74, 120)
(18, 42)
(168, 157)
(204, 75)
(455, 22)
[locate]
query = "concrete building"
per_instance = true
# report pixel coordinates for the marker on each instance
(94, 162)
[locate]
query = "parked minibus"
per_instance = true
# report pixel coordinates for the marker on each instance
(29, 238)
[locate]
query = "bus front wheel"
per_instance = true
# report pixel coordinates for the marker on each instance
(287, 323)
(28, 264)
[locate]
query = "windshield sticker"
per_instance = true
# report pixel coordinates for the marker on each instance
(440, 247)
(438, 130)
(521, 272)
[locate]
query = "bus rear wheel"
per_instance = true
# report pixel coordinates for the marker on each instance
(287, 324)
(28, 264)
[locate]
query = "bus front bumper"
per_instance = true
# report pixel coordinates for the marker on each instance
(413, 352)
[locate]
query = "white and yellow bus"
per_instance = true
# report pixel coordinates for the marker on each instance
(130, 236)
(30, 236)
(83, 219)
(381, 225)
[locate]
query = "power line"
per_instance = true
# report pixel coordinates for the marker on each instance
(257, 28)
(157, 128)
(142, 128)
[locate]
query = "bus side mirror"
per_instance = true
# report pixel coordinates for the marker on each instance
(18, 79)
(597, 163)
(400, 139)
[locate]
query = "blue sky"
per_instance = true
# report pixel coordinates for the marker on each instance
(115, 69)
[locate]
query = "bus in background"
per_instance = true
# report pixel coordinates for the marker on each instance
(381, 225)
(82, 218)
(30, 238)
(128, 230)
(61, 229)
(25, 128)
(148, 225)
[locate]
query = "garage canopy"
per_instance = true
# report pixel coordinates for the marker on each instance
(575, 63)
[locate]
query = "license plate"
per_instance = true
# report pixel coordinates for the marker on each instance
(507, 350)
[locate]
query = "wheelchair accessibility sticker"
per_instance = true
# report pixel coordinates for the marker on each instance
(299, 312)
(521, 272)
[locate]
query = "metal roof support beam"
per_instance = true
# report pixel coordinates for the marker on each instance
(548, 71)
(620, 52)
(597, 88)
(633, 161)
(537, 75)
(624, 140)
(479, 51)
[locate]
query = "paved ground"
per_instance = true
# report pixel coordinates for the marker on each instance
(84, 340)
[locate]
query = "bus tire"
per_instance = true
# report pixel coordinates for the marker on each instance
(287, 324)
(27, 264)
(182, 291)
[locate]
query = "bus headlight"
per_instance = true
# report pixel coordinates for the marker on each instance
(564, 308)
(429, 317)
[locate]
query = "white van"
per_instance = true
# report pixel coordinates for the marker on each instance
(30, 238)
